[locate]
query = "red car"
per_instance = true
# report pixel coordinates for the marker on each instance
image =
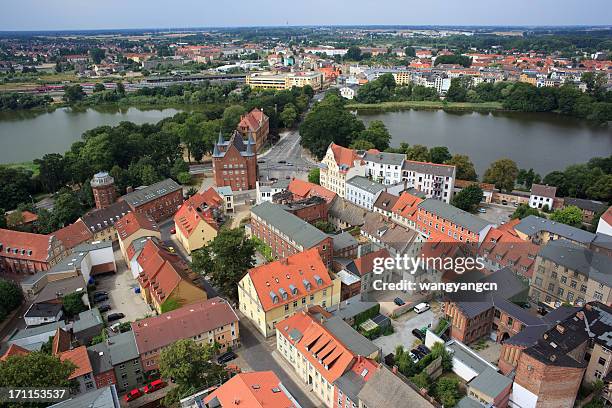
(173, 230)
(154, 386)
(132, 395)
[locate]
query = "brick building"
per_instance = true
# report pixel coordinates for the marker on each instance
(235, 162)
(287, 234)
(103, 188)
(255, 125)
(309, 209)
(160, 200)
(24, 252)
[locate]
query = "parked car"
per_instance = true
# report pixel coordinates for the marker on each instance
(422, 307)
(261, 161)
(100, 293)
(173, 230)
(104, 308)
(399, 301)
(418, 334)
(132, 395)
(115, 327)
(282, 161)
(225, 357)
(171, 249)
(154, 386)
(418, 353)
(101, 298)
(414, 357)
(482, 210)
(423, 349)
(114, 316)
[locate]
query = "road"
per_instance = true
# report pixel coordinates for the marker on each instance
(287, 150)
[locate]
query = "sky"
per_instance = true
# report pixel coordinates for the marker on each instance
(108, 14)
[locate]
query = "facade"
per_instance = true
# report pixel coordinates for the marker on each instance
(435, 180)
(83, 374)
(542, 196)
(101, 223)
(103, 188)
(27, 253)
(265, 191)
(363, 192)
(270, 293)
(385, 168)
(42, 313)
(568, 273)
(207, 322)
(228, 198)
(255, 125)
(349, 92)
(160, 200)
(282, 81)
(235, 163)
(339, 165)
(165, 280)
(321, 349)
(199, 219)
(286, 234)
(134, 226)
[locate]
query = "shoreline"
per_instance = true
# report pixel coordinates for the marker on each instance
(428, 105)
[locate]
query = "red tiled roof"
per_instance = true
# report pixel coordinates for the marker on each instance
(508, 250)
(155, 332)
(74, 234)
(344, 155)
(61, 341)
(293, 270)
(317, 343)
(466, 183)
(259, 389)
(305, 189)
(23, 243)
(27, 217)
(543, 190)
(14, 350)
(607, 216)
(365, 264)
(80, 358)
(132, 222)
(253, 120)
(199, 207)
(407, 205)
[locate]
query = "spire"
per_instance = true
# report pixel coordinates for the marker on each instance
(249, 148)
(216, 152)
(220, 141)
(250, 141)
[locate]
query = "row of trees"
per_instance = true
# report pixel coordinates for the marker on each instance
(384, 89)
(16, 101)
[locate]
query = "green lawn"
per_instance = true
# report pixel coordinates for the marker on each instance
(34, 168)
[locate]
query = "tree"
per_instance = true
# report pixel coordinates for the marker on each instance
(353, 54)
(468, 198)
(570, 215)
(421, 380)
(15, 187)
(403, 361)
(502, 173)
(524, 210)
(97, 55)
(231, 117)
(191, 367)
(120, 89)
(446, 391)
(418, 153)
(52, 173)
(3, 223)
(458, 90)
(184, 177)
(439, 350)
(325, 226)
(289, 115)
(454, 59)
(439, 154)
(67, 208)
(14, 219)
(377, 134)
(73, 93)
(73, 303)
(225, 260)
(11, 297)
(314, 175)
(410, 51)
(361, 144)
(99, 87)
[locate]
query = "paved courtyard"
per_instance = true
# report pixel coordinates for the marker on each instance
(403, 327)
(120, 287)
(496, 213)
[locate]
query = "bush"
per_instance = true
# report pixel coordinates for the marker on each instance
(184, 177)
(73, 304)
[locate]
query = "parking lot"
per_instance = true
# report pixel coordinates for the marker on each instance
(403, 327)
(120, 287)
(496, 213)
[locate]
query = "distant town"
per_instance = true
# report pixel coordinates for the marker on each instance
(233, 252)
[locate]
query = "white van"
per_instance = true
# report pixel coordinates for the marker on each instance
(422, 307)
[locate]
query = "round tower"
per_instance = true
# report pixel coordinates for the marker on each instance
(104, 192)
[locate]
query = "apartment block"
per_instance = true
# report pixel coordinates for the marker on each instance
(435, 180)
(339, 165)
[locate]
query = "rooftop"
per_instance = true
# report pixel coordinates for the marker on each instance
(442, 170)
(258, 389)
(532, 225)
(154, 191)
(543, 190)
(375, 156)
(365, 184)
(46, 310)
(453, 214)
(133, 222)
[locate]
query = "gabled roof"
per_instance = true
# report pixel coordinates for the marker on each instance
(453, 214)
(133, 222)
(365, 263)
(365, 184)
(385, 201)
(185, 322)
(304, 189)
(103, 218)
(199, 207)
(25, 245)
(74, 234)
(443, 170)
(590, 264)
(343, 156)
(289, 279)
(543, 190)
(258, 389)
(61, 341)
(506, 249)
(589, 205)
(146, 194)
(14, 350)
(375, 156)
(80, 358)
(532, 225)
(244, 148)
(253, 120)
(406, 205)
(385, 389)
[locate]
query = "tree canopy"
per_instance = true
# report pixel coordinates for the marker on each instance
(468, 198)
(502, 173)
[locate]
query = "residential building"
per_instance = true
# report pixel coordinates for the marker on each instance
(255, 125)
(258, 389)
(311, 209)
(88, 325)
(435, 180)
(503, 249)
(541, 230)
(121, 354)
(383, 167)
(235, 162)
(281, 81)
(83, 374)
(159, 200)
(384, 203)
(42, 313)
(27, 253)
(287, 234)
(106, 397)
(363, 192)
(103, 188)
(349, 92)
(397, 239)
(569, 273)
(199, 219)
(207, 322)
(32, 338)
(339, 165)
(266, 190)
(604, 226)
(301, 189)
(101, 222)
(165, 279)
(134, 226)
(490, 389)
(589, 208)
(404, 209)
(321, 349)
(74, 234)
(84, 260)
(269, 293)
(344, 214)
(542, 196)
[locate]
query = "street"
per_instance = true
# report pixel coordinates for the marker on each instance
(288, 150)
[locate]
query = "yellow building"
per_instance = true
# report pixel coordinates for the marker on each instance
(165, 280)
(281, 81)
(135, 226)
(270, 293)
(339, 165)
(197, 221)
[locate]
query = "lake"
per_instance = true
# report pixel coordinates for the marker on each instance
(542, 141)
(25, 135)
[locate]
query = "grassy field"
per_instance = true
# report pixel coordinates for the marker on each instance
(483, 106)
(34, 168)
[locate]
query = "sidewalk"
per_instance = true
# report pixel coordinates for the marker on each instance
(286, 366)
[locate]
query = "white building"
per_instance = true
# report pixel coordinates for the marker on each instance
(434, 180)
(385, 168)
(42, 313)
(363, 191)
(339, 165)
(348, 92)
(228, 197)
(265, 191)
(542, 196)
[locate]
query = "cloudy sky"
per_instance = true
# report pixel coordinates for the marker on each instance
(84, 14)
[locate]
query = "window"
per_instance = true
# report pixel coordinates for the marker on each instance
(601, 361)
(598, 296)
